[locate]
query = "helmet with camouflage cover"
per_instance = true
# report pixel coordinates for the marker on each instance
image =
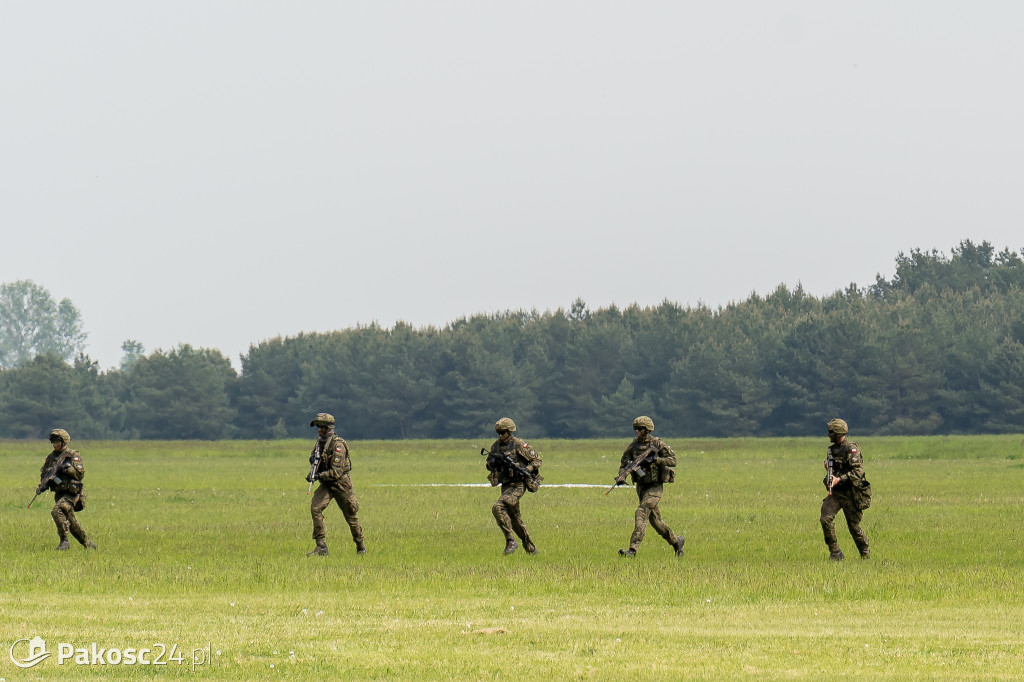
(323, 419)
(643, 423)
(838, 426)
(505, 424)
(60, 434)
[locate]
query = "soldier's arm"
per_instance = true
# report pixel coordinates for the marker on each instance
(73, 467)
(41, 488)
(850, 466)
(532, 458)
(625, 460)
(494, 458)
(854, 466)
(665, 457)
(47, 463)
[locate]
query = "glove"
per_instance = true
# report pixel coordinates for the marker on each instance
(40, 489)
(312, 477)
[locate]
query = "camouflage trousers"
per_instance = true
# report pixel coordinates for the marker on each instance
(831, 506)
(63, 514)
(647, 512)
(506, 511)
(344, 494)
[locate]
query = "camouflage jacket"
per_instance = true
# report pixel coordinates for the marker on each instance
(520, 451)
(664, 460)
(847, 466)
(69, 474)
(334, 459)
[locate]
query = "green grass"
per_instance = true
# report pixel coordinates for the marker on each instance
(206, 542)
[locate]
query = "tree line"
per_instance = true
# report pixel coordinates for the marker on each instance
(936, 349)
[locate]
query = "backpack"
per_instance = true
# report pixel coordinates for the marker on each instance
(862, 494)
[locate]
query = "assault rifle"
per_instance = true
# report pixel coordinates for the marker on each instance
(643, 458)
(50, 477)
(318, 452)
(829, 466)
(510, 463)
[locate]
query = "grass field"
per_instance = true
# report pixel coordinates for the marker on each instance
(202, 546)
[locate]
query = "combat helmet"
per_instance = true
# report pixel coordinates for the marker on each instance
(838, 426)
(643, 423)
(61, 434)
(505, 424)
(323, 419)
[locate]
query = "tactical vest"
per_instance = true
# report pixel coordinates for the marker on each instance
(506, 475)
(652, 473)
(333, 449)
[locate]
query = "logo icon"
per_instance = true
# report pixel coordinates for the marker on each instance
(36, 652)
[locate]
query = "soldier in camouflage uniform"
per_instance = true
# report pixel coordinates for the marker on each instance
(649, 485)
(848, 490)
(332, 472)
(62, 473)
(513, 483)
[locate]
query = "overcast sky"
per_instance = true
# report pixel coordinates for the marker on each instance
(220, 173)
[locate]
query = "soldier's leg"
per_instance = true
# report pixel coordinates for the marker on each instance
(68, 505)
(346, 499)
(502, 514)
(677, 541)
(500, 511)
(853, 519)
(76, 528)
(829, 508)
(649, 497)
(515, 516)
(321, 498)
(60, 519)
(655, 519)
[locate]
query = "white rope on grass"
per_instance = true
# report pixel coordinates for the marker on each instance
(481, 485)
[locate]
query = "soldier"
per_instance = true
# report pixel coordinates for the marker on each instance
(331, 455)
(649, 480)
(62, 473)
(515, 465)
(847, 490)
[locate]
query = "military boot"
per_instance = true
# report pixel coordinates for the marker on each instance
(64, 544)
(511, 545)
(319, 550)
(530, 547)
(89, 544)
(360, 547)
(865, 553)
(680, 541)
(628, 553)
(836, 555)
